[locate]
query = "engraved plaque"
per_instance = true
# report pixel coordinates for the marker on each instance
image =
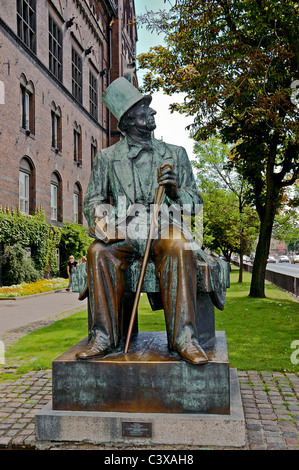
(134, 429)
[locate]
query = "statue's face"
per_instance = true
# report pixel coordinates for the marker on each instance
(142, 116)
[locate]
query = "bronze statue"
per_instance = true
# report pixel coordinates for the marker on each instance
(123, 180)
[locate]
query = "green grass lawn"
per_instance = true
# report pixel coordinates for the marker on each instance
(259, 331)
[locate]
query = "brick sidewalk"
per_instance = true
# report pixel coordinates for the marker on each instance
(270, 402)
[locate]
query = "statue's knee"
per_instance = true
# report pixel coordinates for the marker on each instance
(95, 249)
(172, 246)
(178, 246)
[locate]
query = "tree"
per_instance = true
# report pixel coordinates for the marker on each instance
(237, 62)
(227, 213)
(223, 224)
(286, 226)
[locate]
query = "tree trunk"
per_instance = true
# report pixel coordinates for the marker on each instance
(257, 287)
(241, 253)
(241, 266)
(266, 213)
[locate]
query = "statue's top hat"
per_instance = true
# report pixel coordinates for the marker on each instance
(120, 96)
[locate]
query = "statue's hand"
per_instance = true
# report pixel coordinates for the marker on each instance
(168, 178)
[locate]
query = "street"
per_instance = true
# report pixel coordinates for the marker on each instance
(284, 268)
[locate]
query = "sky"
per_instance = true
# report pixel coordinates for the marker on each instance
(170, 126)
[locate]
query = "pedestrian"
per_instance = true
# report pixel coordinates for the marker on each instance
(71, 265)
(83, 260)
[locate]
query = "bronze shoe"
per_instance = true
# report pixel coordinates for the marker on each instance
(93, 349)
(192, 353)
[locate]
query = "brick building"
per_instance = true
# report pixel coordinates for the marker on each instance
(56, 59)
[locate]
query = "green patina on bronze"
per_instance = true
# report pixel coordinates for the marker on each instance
(125, 175)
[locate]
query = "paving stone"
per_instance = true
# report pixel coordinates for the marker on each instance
(276, 446)
(292, 441)
(270, 425)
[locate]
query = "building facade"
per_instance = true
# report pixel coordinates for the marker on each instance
(56, 59)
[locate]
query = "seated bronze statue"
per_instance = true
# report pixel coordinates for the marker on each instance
(124, 179)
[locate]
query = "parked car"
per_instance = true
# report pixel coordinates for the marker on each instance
(295, 259)
(246, 259)
(271, 259)
(283, 259)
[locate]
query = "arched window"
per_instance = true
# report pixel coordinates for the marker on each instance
(26, 186)
(56, 197)
(77, 204)
(27, 105)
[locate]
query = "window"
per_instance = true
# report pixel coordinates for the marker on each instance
(93, 95)
(93, 150)
(77, 75)
(26, 186)
(27, 105)
(55, 49)
(24, 191)
(77, 204)
(56, 127)
(56, 197)
(26, 22)
(77, 144)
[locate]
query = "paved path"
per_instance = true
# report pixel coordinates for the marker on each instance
(270, 400)
(25, 310)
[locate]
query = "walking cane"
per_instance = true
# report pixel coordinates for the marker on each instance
(160, 191)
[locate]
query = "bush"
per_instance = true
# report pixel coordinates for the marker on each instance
(26, 231)
(17, 267)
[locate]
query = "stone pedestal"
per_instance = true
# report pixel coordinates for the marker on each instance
(54, 428)
(146, 397)
(146, 380)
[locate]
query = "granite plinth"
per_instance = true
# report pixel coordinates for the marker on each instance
(54, 427)
(148, 379)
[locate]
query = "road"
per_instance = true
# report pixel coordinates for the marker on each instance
(284, 268)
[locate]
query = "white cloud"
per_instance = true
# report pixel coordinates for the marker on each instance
(171, 126)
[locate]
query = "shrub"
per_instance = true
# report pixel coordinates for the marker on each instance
(17, 267)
